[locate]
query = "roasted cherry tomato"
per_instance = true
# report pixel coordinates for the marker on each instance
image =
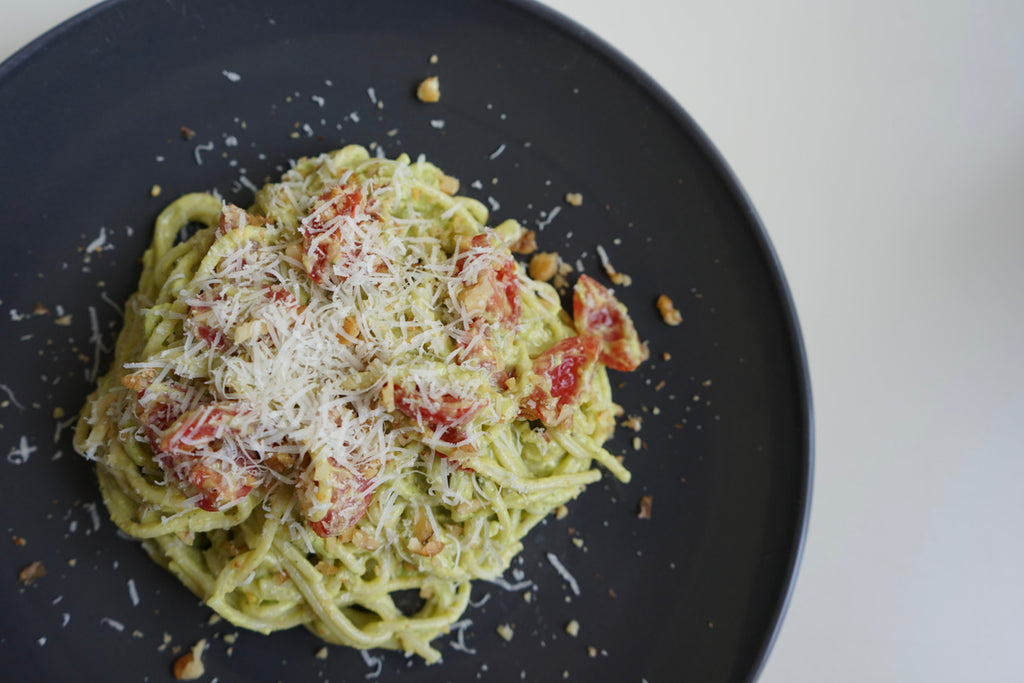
(597, 312)
(560, 376)
(326, 239)
(350, 497)
(444, 410)
(491, 292)
(475, 349)
(202, 448)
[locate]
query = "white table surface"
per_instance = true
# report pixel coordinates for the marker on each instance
(883, 145)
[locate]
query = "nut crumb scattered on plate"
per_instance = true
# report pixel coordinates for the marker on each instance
(645, 507)
(429, 90)
(669, 313)
(544, 265)
(189, 666)
(32, 573)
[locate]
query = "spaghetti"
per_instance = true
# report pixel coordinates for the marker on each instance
(349, 391)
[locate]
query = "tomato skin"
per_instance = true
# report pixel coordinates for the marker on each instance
(494, 295)
(188, 451)
(476, 349)
(324, 243)
(350, 497)
(157, 406)
(216, 487)
(560, 376)
(597, 312)
(445, 410)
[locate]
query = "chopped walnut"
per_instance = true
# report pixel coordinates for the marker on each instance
(387, 395)
(561, 512)
(429, 90)
(506, 631)
(573, 628)
(187, 133)
(574, 199)
(189, 666)
(422, 528)
(155, 191)
(544, 265)
(469, 507)
(428, 549)
(349, 332)
(644, 511)
(620, 279)
(363, 540)
(668, 311)
(19, 541)
(633, 422)
(31, 573)
(526, 244)
(560, 281)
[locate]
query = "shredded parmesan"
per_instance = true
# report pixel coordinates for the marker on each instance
(560, 568)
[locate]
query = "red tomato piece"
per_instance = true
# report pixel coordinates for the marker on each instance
(231, 218)
(475, 350)
(279, 294)
(203, 323)
(494, 294)
(445, 410)
(202, 448)
(217, 487)
(560, 377)
(324, 240)
(350, 497)
(197, 428)
(597, 312)
(157, 406)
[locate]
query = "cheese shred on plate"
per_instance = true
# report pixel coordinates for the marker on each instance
(345, 392)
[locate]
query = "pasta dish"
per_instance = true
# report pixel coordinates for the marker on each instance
(348, 393)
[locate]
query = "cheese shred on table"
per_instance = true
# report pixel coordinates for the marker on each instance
(347, 392)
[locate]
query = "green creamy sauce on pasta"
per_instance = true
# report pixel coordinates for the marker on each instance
(348, 390)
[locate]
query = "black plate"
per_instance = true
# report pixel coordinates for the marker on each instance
(532, 107)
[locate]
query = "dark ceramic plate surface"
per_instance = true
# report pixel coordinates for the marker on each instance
(532, 107)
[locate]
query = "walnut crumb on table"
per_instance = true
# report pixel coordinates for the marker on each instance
(634, 422)
(574, 199)
(644, 511)
(573, 628)
(526, 244)
(429, 90)
(189, 666)
(32, 573)
(506, 632)
(544, 265)
(669, 313)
